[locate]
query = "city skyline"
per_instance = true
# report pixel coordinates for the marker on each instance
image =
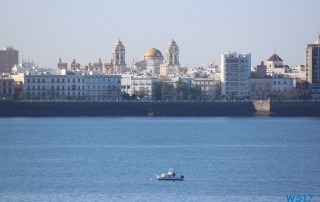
(87, 31)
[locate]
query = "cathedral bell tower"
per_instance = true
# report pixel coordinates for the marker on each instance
(172, 57)
(118, 55)
(172, 53)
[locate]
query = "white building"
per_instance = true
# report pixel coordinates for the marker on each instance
(235, 73)
(27, 67)
(144, 87)
(283, 83)
(83, 87)
(273, 63)
(126, 83)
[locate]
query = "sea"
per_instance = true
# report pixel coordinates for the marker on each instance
(117, 158)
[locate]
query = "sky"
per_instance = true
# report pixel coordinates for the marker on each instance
(86, 30)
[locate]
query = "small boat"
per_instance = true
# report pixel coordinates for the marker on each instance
(171, 175)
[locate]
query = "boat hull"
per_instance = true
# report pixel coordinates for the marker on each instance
(170, 178)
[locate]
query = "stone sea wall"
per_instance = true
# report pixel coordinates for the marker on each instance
(257, 108)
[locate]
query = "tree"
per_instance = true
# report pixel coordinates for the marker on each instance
(125, 96)
(304, 90)
(134, 96)
(194, 93)
(157, 93)
(166, 90)
(182, 89)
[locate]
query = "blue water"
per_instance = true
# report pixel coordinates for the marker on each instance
(116, 159)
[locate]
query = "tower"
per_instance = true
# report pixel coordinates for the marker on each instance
(312, 59)
(172, 57)
(119, 61)
(8, 58)
(273, 62)
(235, 73)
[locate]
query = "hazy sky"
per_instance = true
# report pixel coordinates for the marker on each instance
(203, 29)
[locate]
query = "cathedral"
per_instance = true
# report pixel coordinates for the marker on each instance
(154, 63)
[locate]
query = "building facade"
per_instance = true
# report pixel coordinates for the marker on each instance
(210, 88)
(144, 87)
(6, 88)
(260, 88)
(313, 67)
(8, 58)
(76, 87)
(235, 73)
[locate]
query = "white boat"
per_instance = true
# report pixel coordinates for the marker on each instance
(171, 175)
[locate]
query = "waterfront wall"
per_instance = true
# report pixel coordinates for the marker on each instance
(10, 108)
(256, 108)
(299, 108)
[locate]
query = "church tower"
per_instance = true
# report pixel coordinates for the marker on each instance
(172, 53)
(119, 61)
(172, 57)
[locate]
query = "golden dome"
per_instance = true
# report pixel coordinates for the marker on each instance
(153, 53)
